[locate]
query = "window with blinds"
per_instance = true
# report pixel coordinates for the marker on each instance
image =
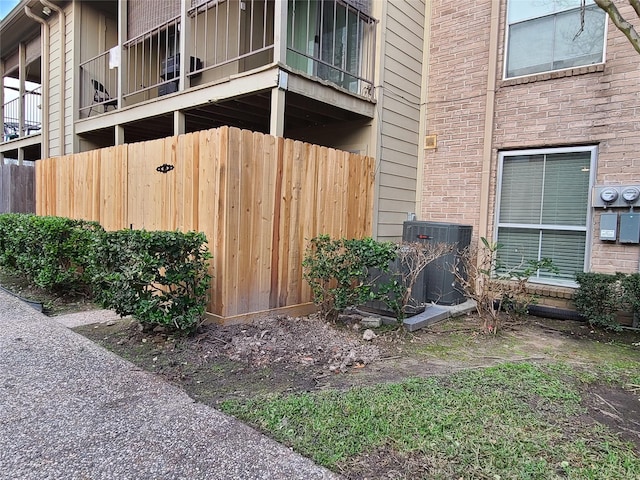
(543, 209)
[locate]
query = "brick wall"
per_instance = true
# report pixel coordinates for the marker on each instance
(459, 57)
(594, 105)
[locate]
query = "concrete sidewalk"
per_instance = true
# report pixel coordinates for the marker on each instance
(71, 410)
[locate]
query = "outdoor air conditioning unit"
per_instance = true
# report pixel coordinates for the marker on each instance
(440, 284)
(170, 68)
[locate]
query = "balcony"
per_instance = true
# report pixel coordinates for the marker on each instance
(26, 108)
(333, 41)
(330, 40)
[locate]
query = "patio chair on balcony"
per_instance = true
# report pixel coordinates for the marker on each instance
(10, 132)
(101, 97)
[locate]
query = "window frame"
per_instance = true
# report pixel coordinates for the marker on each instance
(507, 28)
(587, 228)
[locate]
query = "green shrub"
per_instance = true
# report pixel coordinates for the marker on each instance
(159, 277)
(338, 271)
(53, 252)
(599, 297)
(631, 287)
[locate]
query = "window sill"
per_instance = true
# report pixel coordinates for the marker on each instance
(541, 77)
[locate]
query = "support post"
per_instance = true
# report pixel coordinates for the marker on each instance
(122, 38)
(185, 36)
(179, 123)
(22, 72)
(119, 135)
(278, 97)
(280, 17)
(2, 103)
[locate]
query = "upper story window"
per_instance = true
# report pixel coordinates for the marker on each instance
(547, 35)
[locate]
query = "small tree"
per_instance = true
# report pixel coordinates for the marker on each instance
(495, 287)
(413, 258)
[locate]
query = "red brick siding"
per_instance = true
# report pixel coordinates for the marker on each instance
(595, 105)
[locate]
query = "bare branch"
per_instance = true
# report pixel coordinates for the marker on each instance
(619, 21)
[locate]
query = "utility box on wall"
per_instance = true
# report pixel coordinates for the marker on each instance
(609, 227)
(439, 280)
(630, 228)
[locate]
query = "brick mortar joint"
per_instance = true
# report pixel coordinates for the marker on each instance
(542, 77)
(548, 291)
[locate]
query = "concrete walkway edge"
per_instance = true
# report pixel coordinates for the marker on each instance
(70, 409)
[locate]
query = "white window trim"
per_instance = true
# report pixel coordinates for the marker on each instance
(576, 228)
(506, 46)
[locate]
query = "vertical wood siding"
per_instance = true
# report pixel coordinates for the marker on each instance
(17, 194)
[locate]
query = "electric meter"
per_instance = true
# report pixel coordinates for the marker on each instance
(609, 195)
(631, 194)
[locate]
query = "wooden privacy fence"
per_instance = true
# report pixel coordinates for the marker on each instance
(17, 194)
(258, 199)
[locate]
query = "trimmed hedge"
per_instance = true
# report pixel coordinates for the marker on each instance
(52, 252)
(159, 277)
(600, 296)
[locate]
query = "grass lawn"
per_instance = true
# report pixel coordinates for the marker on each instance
(515, 420)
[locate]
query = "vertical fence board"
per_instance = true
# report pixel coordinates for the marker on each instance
(257, 198)
(23, 192)
(233, 246)
(310, 206)
(267, 223)
(208, 200)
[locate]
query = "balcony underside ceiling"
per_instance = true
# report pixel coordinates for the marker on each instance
(31, 152)
(251, 112)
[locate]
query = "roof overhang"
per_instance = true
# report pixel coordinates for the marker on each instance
(17, 27)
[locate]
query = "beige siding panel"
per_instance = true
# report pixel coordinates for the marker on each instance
(409, 75)
(69, 85)
(394, 168)
(397, 181)
(405, 120)
(400, 116)
(54, 87)
(402, 54)
(394, 131)
(399, 33)
(396, 194)
(411, 89)
(391, 218)
(398, 160)
(393, 145)
(386, 231)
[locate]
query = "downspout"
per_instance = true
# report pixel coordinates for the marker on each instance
(490, 105)
(44, 150)
(62, 27)
(424, 96)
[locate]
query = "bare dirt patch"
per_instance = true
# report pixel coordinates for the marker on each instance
(278, 354)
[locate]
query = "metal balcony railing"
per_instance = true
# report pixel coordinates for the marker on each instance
(231, 36)
(152, 62)
(32, 122)
(98, 85)
(334, 41)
